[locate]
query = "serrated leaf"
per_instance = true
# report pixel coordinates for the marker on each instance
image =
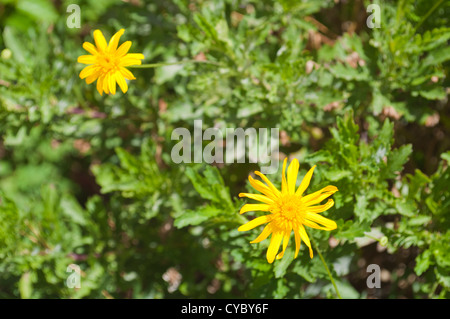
(419, 220)
(282, 265)
(350, 229)
(423, 262)
(336, 174)
(196, 217)
(395, 161)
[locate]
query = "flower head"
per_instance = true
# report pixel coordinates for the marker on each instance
(107, 63)
(289, 210)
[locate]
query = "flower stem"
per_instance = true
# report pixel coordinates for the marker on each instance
(155, 65)
(436, 5)
(326, 268)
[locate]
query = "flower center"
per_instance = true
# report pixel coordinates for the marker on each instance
(288, 211)
(108, 62)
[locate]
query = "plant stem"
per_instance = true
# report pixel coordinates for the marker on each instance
(437, 4)
(326, 268)
(155, 65)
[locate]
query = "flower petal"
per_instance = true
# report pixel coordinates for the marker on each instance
(255, 222)
(100, 84)
(106, 83)
(284, 189)
(100, 41)
(286, 238)
(260, 187)
(122, 83)
(264, 234)
(254, 208)
(305, 182)
(87, 71)
(319, 219)
(91, 78)
(305, 238)
(128, 61)
(259, 198)
(292, 173)
(89, 47)
(274, 245)
(127, 74)
(321, 208)
(123, 49)
(135, 56)
(269, 184)
(112, 83)
(298, 242)
(319, 196)
(114, 41)
(87, 59)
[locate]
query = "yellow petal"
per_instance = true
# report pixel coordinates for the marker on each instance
(298, 242)
(321, 208)
(136, 56)
(259, 198)
(254, 208)
(312, 224)
(87, 71)
(112, 83)
(319, 196)
(305, 238)
(305, 182)
(100, 84)
(319, 219)
(286, 238)
(255, 222)
(89, 47)
(122, 83)
(92, 78)
(127, 74)
(106, 83)
(292, 173)
(100, 41)
(283, 179)
(123, 49)
(269, 184)
(87, 59)
(260, 187)
(264, 234)
(114, 42)
(128, 61)
(274, 245)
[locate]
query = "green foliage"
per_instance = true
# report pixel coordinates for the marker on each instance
(88, 179)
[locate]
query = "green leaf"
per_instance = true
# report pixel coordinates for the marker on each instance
(196, 217)
(395, 161)
(40, 10)
(406, 208)
(336, 174)
(350, 229)
(423, 262)
(13, 43)
(282, 265)
(419, 220)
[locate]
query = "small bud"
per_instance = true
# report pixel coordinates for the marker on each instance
(6, 54)
(383, 241)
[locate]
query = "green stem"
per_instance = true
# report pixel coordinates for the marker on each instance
(433, 289)
(155, 65)
(437, 4)
(326, 268)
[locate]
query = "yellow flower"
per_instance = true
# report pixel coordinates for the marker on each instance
(289, 210)
(107, 63)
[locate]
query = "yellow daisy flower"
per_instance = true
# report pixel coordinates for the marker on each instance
(289, 210)
(107, 63)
